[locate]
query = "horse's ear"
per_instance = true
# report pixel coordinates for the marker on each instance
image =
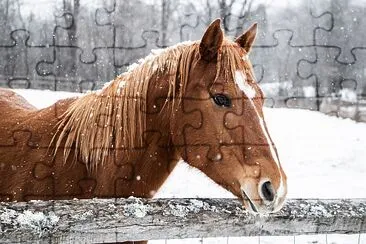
(211, 41)
(246, 40)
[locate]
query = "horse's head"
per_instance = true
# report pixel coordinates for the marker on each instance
(219, 126)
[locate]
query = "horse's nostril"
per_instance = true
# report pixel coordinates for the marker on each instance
(267, 191)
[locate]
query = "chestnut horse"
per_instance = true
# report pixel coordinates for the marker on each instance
(196, 101)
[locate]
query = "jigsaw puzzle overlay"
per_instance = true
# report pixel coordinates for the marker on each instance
(77, 52)
(308, 55)
(313, 58)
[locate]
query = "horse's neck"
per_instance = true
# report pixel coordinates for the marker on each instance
(43, 123)
(139, 170)
(152, 163)
(146, 168)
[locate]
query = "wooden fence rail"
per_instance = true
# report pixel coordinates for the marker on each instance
(116, 220)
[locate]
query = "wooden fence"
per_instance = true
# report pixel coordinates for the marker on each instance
(116, 220)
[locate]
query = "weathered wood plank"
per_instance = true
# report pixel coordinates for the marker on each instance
(114, 220)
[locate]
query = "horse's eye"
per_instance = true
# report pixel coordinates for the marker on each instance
(222, 100)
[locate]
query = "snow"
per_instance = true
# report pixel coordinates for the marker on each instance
(37, 220)
(136, 209)
(323, 157)
(348, 95)
(42, 99)
(194, 206)
(273, 89)
(83, 216)
(309, 91)
(33, 221)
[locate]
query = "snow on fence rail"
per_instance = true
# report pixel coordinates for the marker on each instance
(116, 220)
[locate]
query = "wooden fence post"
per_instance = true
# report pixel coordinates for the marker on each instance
(116, 220)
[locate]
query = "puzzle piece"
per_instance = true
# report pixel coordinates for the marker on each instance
(72, 33)
(67, 64)
(70, 50)
(17, 169)
(129, 44)
(19, 64)
(283, 81)
(52, 179)
(302, 36)
(126, 55)
(355, 72)
(21, 137)
(193, 119)
(248, 140)
(339, 76)
(343, 26)
(252, 170)
(330, 81)
(191, 25)
(60, 183)
(198, 124)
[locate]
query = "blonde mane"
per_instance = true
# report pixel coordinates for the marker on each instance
(100, 122)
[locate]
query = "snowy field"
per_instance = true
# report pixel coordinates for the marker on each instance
(323, 157)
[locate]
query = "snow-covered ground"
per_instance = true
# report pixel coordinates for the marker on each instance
(323, 157)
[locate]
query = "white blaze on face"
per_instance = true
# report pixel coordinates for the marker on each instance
(241, 81)
(249, 91)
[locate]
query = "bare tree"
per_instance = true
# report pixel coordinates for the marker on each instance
(244, 13)
(233, 12)
(209, 10)
(165, 16)
(72, 7)
(225, 7)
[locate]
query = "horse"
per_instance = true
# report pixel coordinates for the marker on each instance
(195, 101)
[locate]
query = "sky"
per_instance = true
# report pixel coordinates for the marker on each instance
(44, 8)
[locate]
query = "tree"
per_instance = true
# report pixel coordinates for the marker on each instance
(72, 7)
(165, 17)
(233, 13)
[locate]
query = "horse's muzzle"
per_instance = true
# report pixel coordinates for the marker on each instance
(263, 199)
